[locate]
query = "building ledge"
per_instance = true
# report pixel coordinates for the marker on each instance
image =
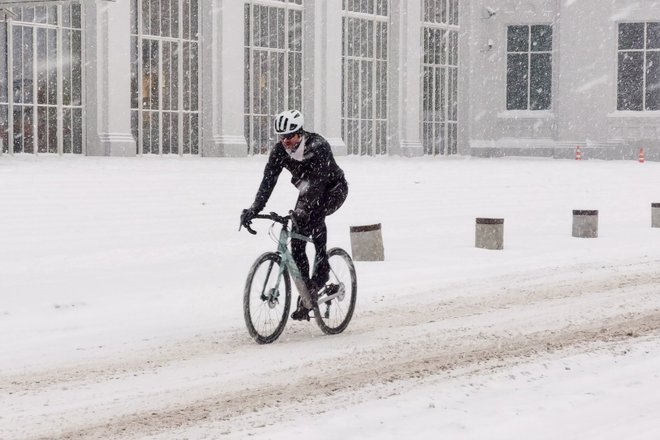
(652, 114)
(526, 114)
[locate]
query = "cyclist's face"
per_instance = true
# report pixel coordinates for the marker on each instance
(290, 142)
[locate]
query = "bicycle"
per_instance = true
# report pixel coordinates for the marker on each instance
(267, 294)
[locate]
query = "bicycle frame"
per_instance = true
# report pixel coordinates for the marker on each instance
(288, 263)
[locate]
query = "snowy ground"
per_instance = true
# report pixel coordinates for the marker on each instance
(121, 293)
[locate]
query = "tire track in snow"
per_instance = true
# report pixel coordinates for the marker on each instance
(479, 298)
(404, 360)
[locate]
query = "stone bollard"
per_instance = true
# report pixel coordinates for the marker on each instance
(585, 223)
(489, 233)
(655, 215)
(367, 243)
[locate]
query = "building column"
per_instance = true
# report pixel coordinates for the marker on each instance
(406, 57)
(323, 73)
(223, 83)
(108, 78)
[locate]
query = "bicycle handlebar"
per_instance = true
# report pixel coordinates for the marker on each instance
(272, 216)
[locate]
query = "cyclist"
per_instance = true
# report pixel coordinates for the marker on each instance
(322, 190)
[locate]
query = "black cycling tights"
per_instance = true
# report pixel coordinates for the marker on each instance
(309, 217)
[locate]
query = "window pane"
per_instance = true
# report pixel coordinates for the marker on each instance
(134, 73)
(40, 14)
(194, 76)
(631, 36)
(630, 81)
(4, 127)
(541, 38)
(653, 81)
(76, 71)
(154, 14)
(52, 66)
(175, 76)
(186, 76)
(77, 130)
(17, 68)
(540, 90)
(28, 57)
(518, 39)
(75, 16)
(194, 20)
(52, 15)
(153, 74)
(166, 145)
(166, 75)
(194, 133)
(3, 64)
(653, 36)
(42, 129)
(28, 130)
(174, 9)
(516, 82)
(42, 66)
(66, 130)
(66, 67)
(246, 25)
(18, 128)
(134, 15)
(52, 130)
(66, 15)
(165, 17)
(174, 144)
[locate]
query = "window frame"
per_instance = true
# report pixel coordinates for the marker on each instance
(544, 112)
(644, 51)
(58, 108)
(184, 44)
(376, 17)
(449, 26)
(249, 48)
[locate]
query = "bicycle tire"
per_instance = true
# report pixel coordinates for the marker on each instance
(262, 303)
(338, 313)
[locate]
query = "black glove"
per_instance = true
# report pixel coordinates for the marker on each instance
(246, 217)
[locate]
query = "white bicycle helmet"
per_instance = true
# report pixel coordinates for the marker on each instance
(288, 121)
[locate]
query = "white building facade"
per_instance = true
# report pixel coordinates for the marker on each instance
(548, 76)
(375, 77)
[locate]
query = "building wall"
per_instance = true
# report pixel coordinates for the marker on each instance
(584, 79)
(584, 85)
(107, 76)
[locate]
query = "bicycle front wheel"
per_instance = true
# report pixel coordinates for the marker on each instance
(336, 303)
(266, 300)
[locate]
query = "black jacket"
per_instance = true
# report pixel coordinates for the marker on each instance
(317, 171)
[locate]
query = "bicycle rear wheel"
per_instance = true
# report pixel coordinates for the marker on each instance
(333, 315)
(266, 302)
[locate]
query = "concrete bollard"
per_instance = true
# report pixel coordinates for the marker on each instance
(489, 233)
(585, 223)
(655, 215)
(367, 243)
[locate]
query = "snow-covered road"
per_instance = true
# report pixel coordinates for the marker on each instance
(154, 350)
(222, 383)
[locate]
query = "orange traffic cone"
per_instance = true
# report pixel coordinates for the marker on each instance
(641, 155)
(578, 155)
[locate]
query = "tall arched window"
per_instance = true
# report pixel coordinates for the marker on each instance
(165, 76)
(41, 81)
(273, 67)
(364, 66)
(440, 76)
